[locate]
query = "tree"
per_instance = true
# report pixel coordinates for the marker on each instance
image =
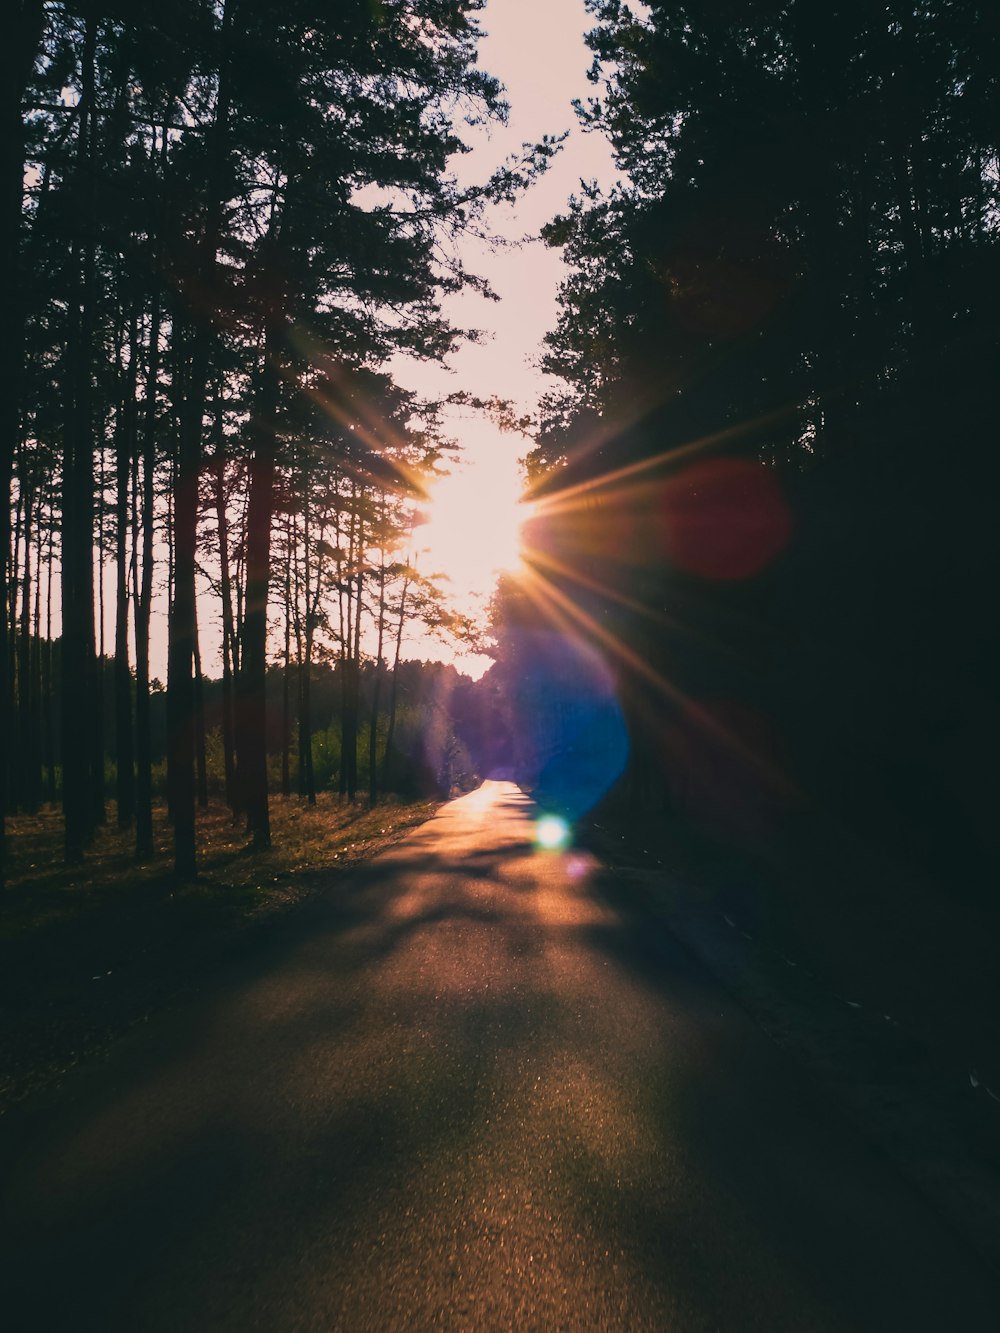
(235, 215)
(788, 296)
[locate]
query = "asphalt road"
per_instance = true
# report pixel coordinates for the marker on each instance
(463, 1092)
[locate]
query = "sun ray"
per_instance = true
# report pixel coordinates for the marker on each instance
(567, 498)
(535, 557)
(584, 627)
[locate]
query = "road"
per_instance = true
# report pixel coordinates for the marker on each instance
(463, 1092)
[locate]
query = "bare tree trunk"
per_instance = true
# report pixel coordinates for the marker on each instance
(78, 673)
(345, 592)
(355, 679)
(125, 452)
(229, 643)
(143, 598)
(181, 628)
(201, 764)
(48, 724)
(22, 34)
(286, 716)
(12, 711)
(390, 734)
(252, 736)
(33, 794)
(307, 776)
(377, 683)
(26, 756)
(97, 783)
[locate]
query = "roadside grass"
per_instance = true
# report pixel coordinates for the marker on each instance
(88, 951)
(233, 881)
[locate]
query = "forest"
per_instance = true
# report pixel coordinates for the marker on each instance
(646, 980)
(769, 468)
(760, 483)
(765, 480)
(220, 223)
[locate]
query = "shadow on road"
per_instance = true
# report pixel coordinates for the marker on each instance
(459, 1074)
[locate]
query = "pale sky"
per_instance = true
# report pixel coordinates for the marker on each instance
(536, 49)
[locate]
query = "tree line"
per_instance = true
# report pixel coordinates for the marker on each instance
(220, 220)
(766, 472)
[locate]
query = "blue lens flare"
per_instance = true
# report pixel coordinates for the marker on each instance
(552, 834)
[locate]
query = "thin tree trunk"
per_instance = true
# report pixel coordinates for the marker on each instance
(181, 625)
(10, 756)
(305, 725)
(377, 683)
(125, 452)
(390, 734)
(355, 679)
(79, 666)
(22, 34)
(143, 596)
(307, 776)
(98, 785)
(252, 741)
(26, 757)
(34, 738)
(48, 722)
(201, 763)
(286, 717)
(228, 633)
(346, 604)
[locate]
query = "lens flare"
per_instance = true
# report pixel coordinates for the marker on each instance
(552, 834)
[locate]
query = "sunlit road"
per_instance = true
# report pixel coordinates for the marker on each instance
(462, 1092)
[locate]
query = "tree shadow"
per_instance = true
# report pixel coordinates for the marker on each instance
(310, 1123)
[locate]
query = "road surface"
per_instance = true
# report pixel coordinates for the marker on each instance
(463, 1092)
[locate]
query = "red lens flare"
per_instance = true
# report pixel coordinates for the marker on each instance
(724, 519)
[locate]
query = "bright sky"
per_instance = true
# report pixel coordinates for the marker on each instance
(536, 49)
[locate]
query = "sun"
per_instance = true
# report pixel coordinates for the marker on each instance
(474, 526)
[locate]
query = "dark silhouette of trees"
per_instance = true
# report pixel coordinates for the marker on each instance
(778, 345)
(234, 214)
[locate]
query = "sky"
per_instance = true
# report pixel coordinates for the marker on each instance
(536, 49)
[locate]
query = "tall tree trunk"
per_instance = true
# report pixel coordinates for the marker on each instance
(377, 683)
(12, 711)
(143, 600)
(252, 739)
(346, 605)
(26, 758)
(182, 627)
(229, 660)
(181, 624)
(307, 775)
(390, 734)
(286, 717)
(308, 779)
(77, 672)
(97, 780)
(33, 747)
(22, 34)
(125, 452)
(48, 701)
(201, 762)
(355, 677)
(79, 667)
(350, 660)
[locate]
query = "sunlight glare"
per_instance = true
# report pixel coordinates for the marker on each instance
(474, 530)
(552, 833)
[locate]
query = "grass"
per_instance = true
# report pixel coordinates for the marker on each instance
(88, 951)
(232, 881)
